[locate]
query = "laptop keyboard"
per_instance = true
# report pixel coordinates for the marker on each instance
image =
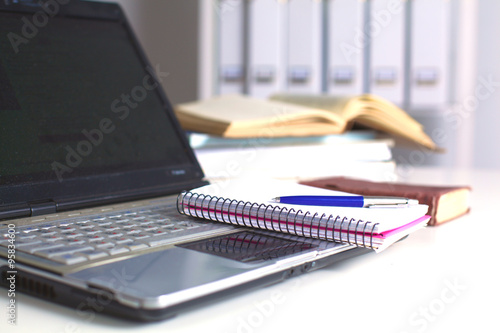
(78, 240)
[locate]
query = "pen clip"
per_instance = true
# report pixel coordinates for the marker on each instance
(401, 205)
(389, 202)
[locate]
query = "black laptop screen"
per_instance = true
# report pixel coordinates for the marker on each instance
(76, 100)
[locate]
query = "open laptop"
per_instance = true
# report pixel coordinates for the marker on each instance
(91, 162)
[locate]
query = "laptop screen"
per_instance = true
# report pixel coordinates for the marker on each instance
(77, 100)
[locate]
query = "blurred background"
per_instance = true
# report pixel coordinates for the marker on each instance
(437, 59)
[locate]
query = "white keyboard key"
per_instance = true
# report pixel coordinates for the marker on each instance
(120, 220)
(158, 241)
(73, 241)
(109, 228)
(51, 238)
(174, 229)
(81, 222)
(118, 250)
(29, 229)
(122, 240)
(7, 240)
(139, 236)
(66, 228)
(148, 227)
(85, 226)
(93, 254)
(48, 253)
(103, 245)
(112, 234)
(69, 259)
(46, 232)
(38, 247)
(158, 232)
(73, 234)
(136, 246)
(162, 225)
(47, 226)
(189, 225)
(132, 214)
(94, 238)
(103, 223)
(66, 223)
(133, 231)
(25, 236)
(127, 225)
(27, 242)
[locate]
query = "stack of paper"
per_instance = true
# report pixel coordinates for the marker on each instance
(361, 154)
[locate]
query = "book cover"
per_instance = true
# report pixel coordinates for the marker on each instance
(445, 202)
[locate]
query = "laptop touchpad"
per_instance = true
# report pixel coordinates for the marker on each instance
(192, 265)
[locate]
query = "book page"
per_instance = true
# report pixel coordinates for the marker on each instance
(232, 109)
(334, 104)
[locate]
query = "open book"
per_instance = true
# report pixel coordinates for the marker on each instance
(249, 203)
(237, 116)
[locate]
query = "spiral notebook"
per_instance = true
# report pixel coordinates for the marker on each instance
(249, 204)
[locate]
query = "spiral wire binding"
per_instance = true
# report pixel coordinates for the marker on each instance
(254, 215)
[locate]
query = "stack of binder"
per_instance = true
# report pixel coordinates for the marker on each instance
(399, 50)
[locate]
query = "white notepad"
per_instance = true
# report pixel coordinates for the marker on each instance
(249, 203)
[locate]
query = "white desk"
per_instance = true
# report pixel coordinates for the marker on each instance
(441, 279)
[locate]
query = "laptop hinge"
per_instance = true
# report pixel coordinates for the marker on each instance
(42, 207)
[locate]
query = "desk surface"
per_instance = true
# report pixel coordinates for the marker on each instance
(439, 279)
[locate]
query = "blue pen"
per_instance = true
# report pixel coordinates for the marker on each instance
(346, 201)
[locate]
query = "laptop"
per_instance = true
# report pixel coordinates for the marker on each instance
(92, 160)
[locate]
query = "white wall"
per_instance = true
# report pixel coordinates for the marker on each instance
(487, 116)
(168, 31)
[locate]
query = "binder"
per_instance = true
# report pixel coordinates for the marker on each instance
(387, 42)
(248, 204)
(304, 46)
(346, 50)
(431, 35)
(231, 71)
(266, 50)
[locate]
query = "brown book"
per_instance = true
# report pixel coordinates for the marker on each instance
(445, 202)
(237, 116)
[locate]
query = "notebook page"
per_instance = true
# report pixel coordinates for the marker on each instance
(261, 191)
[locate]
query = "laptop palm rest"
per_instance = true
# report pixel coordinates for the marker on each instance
(201, 267)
